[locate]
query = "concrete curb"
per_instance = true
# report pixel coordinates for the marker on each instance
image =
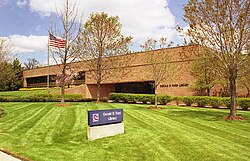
(6, 155)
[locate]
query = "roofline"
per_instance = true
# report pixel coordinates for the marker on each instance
(138, 52)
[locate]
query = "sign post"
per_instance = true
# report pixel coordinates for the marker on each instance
(104, 123)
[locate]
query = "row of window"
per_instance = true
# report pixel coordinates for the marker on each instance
(42, 80)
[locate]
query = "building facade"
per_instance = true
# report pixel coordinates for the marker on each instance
(137, 77)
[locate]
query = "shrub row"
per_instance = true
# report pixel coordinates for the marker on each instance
(203, 101)
(200, 101)
(215, 102)
(45, 98)
(144, 98)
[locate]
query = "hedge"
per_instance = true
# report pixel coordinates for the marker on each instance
(244, 103)
(45, 98)
(215, 102)
(144, 98)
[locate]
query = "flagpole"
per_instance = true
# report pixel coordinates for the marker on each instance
(48, 62)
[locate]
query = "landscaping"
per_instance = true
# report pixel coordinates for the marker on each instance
(44, 132)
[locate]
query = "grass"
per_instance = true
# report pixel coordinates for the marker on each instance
(25, 93)
(45, 132)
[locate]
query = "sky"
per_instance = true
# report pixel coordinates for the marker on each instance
(25, 23)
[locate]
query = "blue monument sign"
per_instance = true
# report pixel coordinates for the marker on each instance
(105, 117)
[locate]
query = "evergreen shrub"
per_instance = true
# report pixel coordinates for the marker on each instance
(244, 103)
(144, 98)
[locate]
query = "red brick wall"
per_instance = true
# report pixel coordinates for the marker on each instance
(91, 90)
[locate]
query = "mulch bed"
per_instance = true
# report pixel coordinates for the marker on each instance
(154, 108)
(233, 118)
(15, 155)
(63, 104)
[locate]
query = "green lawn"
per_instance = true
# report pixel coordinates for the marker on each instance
(44, 132)
(23, 93)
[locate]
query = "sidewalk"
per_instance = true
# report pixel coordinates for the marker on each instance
(6, 157)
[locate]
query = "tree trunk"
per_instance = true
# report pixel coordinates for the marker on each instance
(156, 98)
(232, 79)
(208, 91)
(62, 93)
(98, 92)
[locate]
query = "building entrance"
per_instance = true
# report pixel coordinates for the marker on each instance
(135, 87)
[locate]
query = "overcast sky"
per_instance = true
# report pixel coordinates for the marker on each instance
(25, 22)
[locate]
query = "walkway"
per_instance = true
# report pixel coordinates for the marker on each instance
(6, 157)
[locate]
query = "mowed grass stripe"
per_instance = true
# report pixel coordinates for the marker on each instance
(217, 129)
(207, 136)
(198, 134)
(29, 119)
(147, 128)
(174, 133)
(43, 127)
(17, 118)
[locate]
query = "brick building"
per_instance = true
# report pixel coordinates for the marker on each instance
(137, 80)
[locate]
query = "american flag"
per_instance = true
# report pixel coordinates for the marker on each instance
(56, 42)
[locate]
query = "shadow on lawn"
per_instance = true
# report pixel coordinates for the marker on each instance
(2, 113)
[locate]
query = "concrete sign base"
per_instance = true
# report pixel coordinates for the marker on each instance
(97, 132)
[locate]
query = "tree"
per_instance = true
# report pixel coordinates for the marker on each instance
(6, 76)
(203, 71)
(102, 42)
(11, 78)
(31, 64)
(18, 73)
(159, 66)
(5, 50)
(222, 25)
(244, 82)
(71, 25)
(67, 78)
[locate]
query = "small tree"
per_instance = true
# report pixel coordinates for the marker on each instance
(244, 81)
(67, 78)
(31, 64)
(6, 49)
(222, 25)
(11, 78)
(203, 71)
(159, 63)
(18, 74)
(101, 42)
(69, 19)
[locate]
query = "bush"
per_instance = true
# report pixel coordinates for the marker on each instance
(202, 101)
(133, 98)
(244, 103)
(176, 99)
(43, 98)
(188, 100)
(226, 101)
(215, 102)
(164, 99)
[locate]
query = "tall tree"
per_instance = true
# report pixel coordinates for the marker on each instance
(31, 64)
(159, 63)
(101, 39)
(223, 25)
(70, 22)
